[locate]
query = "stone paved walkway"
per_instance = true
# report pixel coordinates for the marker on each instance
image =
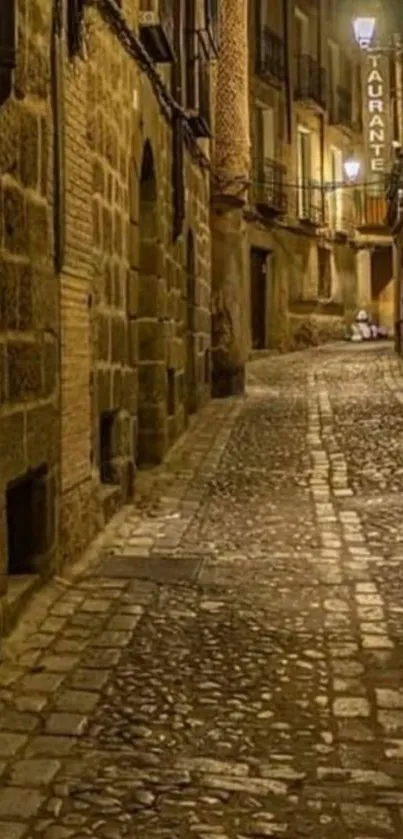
(262, 697)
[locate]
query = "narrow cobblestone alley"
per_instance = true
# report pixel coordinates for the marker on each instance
(230, 666)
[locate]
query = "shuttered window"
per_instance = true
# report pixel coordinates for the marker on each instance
(8, 35)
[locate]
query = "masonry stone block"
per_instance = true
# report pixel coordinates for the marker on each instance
(3, 372)
(107, 229)
(96, 223)
(104, 339)
(119, 351)
(134, 245)
(25, 297)
(152, 298)
(24, 370)
(104, 389)
(29, 139)
(10, 114)
(132, 292)
(117, 233)
(37, 70)
(151, 341)
(14, 220)
(45, 298)
(152, 383)
(44, 156)
(42, 435)
(8, 295)
(130, 391)
(98, 177)
(38, 230)
(117, 391)
(12, 436)
(50, 365)
(133, 333)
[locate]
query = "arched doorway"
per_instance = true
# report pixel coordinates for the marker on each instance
(152, 410)
(191, 363)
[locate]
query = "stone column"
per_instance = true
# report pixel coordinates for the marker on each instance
(231, 165)
(364, 279)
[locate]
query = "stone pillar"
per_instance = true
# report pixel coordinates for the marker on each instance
(231, 166)
(364, 279)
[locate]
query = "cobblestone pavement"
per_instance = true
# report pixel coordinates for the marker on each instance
(232, 667)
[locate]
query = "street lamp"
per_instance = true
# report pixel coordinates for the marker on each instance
(364, 29)
(351, 168)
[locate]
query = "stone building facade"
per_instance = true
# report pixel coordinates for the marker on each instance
(311, 239)
(105, 259)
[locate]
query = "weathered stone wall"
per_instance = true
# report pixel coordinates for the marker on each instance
(137, 348)
(29, 294)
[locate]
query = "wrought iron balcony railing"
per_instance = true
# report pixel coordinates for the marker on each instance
(269, 192)
(341, 107)
(371, 207)
(156, 29)
(310, 80)
(270, 61)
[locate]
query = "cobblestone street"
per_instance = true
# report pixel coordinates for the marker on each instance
(229, 663)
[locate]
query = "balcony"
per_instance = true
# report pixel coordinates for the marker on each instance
(310, 81)
(341, 107)
(156, 29)
(269, 187)
(371, 209)
(310, 203)
(270, 63)
(199, 111)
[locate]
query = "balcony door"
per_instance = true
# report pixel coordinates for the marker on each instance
(301, 23)
(258, 298)
(265, 133)
(304, 168)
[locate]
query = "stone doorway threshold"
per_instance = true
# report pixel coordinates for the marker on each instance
(165, 570)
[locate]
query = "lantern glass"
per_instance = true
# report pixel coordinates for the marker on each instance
(364, 29)
(352, 169)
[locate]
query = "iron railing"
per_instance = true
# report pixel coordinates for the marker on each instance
(371, 206)
(269, 185)
(310, 202)
(310, 80)
(270, 54)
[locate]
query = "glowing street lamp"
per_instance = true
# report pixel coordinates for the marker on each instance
(352, 168)
(364, 29)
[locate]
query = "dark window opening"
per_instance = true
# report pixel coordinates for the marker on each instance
(75, 27)
(8, 36)
(27, 516)
(106, 429)
(171, 391)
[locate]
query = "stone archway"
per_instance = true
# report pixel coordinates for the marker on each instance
(191, 327)
(152, 433)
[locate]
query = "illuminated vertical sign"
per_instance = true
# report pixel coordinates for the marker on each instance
(376, 116)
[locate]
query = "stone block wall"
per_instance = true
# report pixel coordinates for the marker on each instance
(29, 308)
(135, 304)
